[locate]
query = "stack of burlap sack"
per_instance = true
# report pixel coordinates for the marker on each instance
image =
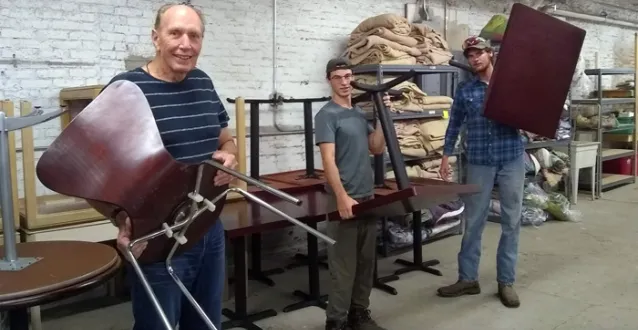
(413, 98)
(422, 137)
(391, 39)
(428, 169)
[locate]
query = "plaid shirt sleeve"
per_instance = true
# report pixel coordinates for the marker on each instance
(489, 143)
(457, 117)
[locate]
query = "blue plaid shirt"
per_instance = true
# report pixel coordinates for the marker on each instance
(488, 143)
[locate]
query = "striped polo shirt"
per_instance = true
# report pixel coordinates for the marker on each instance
(189, 113)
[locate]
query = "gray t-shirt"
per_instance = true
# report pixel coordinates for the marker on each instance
(348, 129)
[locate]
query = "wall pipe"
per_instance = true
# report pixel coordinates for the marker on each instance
(599, 19)
(274, 47)
(275, 95)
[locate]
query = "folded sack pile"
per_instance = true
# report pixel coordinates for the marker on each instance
(413, 98)
(428, 169)
(391, 39)
(421, 138)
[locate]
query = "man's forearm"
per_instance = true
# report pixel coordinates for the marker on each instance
(334, 180)
(451, 136)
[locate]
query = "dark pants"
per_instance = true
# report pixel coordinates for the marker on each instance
(351, 262)
(201, 269)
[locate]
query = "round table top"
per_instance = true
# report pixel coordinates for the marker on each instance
(62, 264)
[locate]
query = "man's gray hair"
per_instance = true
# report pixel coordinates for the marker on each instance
(164, 8)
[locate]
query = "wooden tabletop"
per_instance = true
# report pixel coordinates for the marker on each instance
(242, 217)
(63, 264)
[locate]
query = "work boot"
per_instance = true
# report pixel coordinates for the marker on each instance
(335, 325)
(360, 319)
(460, 288)
(508, 296)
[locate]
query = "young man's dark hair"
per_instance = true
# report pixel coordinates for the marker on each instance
(337, 64)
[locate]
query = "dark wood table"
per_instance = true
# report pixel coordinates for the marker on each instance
(243, 218)
(65, 269)
(313, 182)
(422, 194)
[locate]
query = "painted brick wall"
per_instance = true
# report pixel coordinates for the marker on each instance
(83, 42)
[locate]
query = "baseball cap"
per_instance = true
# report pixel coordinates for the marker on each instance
(337, 63)
(475, 42)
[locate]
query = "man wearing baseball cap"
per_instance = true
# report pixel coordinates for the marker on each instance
(346, 140)
(494, 153)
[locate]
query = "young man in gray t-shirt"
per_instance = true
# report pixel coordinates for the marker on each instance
(346, 139)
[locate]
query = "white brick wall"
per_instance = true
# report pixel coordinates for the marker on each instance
(83, 42)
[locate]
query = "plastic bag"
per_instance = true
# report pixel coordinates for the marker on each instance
(495, 28)
(555, 204)
(535, 196)
(558, 207)
(533, 216)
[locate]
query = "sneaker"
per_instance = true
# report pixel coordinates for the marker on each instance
(335, 325)
(460, 288)
(508, 296)
(360, 319)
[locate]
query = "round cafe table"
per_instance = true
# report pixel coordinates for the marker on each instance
(64, 269)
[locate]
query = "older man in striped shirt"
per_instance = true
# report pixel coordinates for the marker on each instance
(495, 155)
(193, 125)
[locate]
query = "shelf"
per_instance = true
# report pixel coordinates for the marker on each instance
(412, 115)
(624, 131)
(609, 154)
(399, 69)
(605, 101)
(406, 159)
(604, 72)
(615, 180)
(546, 144)
(605, 129)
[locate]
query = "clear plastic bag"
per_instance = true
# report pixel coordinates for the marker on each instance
(535, 196)
(559, 207)
(555, 204)
(533, 216)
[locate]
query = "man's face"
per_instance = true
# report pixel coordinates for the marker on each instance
(340, 82)
(479, 59)
(179, 38)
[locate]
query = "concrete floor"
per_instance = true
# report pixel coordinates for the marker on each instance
(577, 275)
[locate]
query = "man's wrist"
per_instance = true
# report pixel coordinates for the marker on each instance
(341, 194)
(229, 146)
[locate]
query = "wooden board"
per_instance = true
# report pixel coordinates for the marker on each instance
(76, 99)
(533, 74)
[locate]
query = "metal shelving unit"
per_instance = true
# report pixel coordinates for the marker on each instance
(448, 79)
(547, 144)
(604, 180)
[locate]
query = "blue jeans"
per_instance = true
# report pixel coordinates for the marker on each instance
(511, 179)
(201, 269)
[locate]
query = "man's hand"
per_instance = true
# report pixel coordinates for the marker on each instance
(344, 205)
(386, 101)
(228, 160)
(444, 170)
(124, 239)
